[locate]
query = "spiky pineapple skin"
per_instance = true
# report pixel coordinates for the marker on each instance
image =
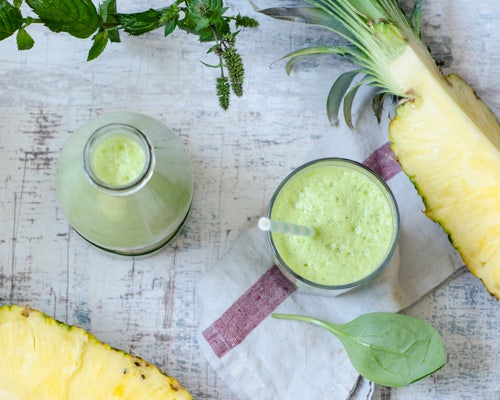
(449, 150)
(42, 358)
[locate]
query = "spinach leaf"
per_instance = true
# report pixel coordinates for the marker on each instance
(387, 348)
(79, 18)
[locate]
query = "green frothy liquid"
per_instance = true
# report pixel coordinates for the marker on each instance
(118, 160)
(353, 217)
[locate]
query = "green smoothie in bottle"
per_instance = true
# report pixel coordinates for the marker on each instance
(125, 183)
(118, 160)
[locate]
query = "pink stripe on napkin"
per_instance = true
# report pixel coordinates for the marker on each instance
(260, 300)
(383, 162)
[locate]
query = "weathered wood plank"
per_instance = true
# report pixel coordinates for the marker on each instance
(239, 156)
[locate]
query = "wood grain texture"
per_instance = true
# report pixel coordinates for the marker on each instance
(146, 305)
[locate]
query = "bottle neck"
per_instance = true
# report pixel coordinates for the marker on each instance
(118, 158)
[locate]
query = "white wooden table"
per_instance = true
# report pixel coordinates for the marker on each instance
(239, 156)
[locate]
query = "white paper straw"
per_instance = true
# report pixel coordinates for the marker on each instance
(272, 225)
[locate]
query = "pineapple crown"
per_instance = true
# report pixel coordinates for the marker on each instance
(375, 31)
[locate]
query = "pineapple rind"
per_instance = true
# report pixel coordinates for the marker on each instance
(446, 141)
(475, 109)
(125, 377)
(42, 358)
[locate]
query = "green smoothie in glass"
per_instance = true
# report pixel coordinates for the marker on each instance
(354, 217)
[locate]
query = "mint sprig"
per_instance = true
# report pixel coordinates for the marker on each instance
(206, 19)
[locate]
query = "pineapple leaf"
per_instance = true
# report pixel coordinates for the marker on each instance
(298, 55)
(309, 16)
(416, 16)
(377, 31)
(337, 93)
(371, 10)
(348, 102)
(378, 105)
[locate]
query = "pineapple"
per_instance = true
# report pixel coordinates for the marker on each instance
(44, 359)
(445, 138)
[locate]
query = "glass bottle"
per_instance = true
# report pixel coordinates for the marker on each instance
(125, 183)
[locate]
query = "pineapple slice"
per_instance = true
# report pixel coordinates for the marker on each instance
(461, 175)
(41, 358)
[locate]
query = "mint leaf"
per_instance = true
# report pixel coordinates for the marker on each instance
(24, 40)
(107, 11)
(170, 27)
(245, 22)
(100, 43)
(146, 21)
(205, 13)
(79, 18)
(199, 15)
(10, 19)
(139, 23)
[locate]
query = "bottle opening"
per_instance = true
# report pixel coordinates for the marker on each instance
(118, 157)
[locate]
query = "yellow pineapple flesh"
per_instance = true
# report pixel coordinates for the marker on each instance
(446, 139)
(42, 359)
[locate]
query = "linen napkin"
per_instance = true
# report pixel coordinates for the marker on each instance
(264, 358)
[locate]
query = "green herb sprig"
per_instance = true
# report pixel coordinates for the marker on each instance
(82, 19)
(387, 348)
